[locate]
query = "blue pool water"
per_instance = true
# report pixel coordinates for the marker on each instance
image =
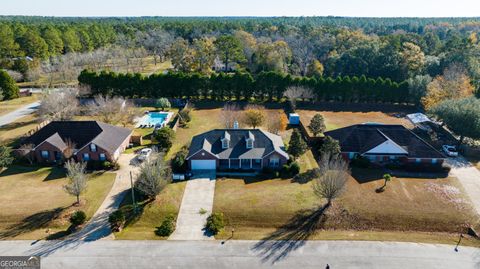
(155, 119)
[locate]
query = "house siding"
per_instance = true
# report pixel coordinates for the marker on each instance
(51, 152)
(204, 156)
(281, 158)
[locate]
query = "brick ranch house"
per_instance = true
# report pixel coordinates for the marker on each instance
(384, 144)
(92, 140)
(236, 149)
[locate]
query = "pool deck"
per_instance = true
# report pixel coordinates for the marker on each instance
(143, 120)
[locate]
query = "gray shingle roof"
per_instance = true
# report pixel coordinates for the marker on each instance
(363, 137)
(264, 144)
(106, 136)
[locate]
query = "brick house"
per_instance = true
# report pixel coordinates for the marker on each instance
(236, 149)
(382, 144)
(86, 140)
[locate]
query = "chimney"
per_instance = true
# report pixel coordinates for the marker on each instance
(235, 125)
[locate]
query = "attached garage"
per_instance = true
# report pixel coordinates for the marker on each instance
(203, 164)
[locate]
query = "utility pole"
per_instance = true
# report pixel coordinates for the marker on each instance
(133, 194)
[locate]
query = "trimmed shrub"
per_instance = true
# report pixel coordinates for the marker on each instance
(116, 220)
(78, 218)
(164, 137)
(215, 223)
(360, 162)
(167, 227)
(107, 165)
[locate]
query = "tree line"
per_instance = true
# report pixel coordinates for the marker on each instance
(243, 86)
(398, 49)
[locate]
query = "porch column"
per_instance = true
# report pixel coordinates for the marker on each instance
(251, 166)
(240, 163)
(228, 163)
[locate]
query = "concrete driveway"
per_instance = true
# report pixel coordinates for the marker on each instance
(198, 195)
(19, 113)
(98, 226)
(469, 177)
(213, 254)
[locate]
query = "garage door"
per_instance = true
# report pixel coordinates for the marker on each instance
(204, 165)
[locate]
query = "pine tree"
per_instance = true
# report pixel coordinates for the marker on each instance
(317, 125)
(297, 145)
(8, 86)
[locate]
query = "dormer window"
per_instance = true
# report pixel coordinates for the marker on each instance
(249, 143)
(249, 140)
(93, 148)
(226, 140)
(225, 143)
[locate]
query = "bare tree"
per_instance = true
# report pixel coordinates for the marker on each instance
(69, 150)
(154, 176)
(59, 104)
(25, 151)
(230, 113)
(112, 110)
(295, 92)
(77, 179)
(334, 173)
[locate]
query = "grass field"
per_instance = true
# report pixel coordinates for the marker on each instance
(11, 105)
(167, 202)
(425, 210)
(11, 132)
(34, 200)
(340, 119)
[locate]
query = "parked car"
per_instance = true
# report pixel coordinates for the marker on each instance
(144, 154)
(451, 151)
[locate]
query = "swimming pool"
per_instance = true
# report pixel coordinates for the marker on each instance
(155, 119)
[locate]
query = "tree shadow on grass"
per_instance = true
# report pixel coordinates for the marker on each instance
(56, 173)
(306, 176)
(292, 235)
(19, 169)
(33, 222)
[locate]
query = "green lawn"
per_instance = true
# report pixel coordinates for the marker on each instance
(37, 201)
(424, 210)
(167, 202)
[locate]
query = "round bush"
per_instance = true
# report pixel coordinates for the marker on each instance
(78, 218)
(167, 227)
(294, 168)
(116, 220)
(215, 223)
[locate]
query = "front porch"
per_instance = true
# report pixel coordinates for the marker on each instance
(240, 164)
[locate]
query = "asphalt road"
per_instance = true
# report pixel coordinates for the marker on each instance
(19, 113)
(244, 254)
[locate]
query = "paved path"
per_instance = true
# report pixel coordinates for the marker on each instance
(469, 177)
(190, 223)
(19, 113)
(98, 227)
(245, 254)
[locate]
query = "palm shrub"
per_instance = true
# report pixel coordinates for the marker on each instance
(78, 218)
(167, 227)
(215, 223)
(116, 220)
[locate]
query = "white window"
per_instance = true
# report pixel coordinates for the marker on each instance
(417, 160)
(225, 143)
(434, 161)
(392, 157)
(102, 157)
(249, 143)
(86, 157)
(274, 162)
(45, 154)
(93, 147)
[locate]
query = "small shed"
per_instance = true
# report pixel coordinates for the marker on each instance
(293, 119)
(420, 120)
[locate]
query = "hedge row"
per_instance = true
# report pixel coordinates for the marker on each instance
(266, 85)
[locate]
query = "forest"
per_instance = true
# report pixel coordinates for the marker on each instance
(411, 50)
